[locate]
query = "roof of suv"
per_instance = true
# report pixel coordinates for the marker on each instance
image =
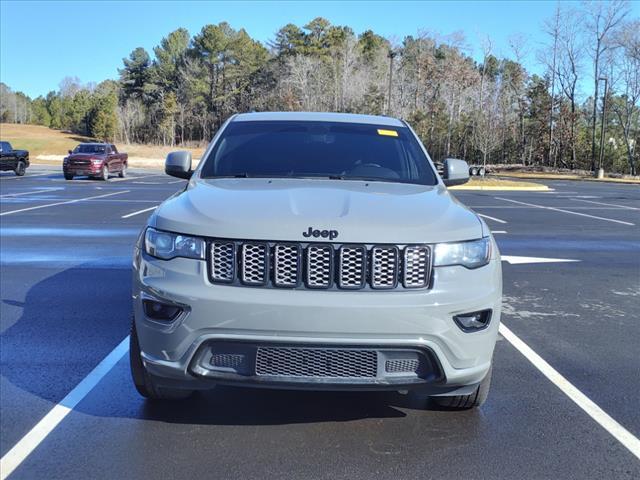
(318, 117)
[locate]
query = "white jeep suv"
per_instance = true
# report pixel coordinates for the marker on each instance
(316, 251)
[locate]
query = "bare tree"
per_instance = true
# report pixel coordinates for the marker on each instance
(553, 29)
(627, 106)
(568, 69)
(603, 18)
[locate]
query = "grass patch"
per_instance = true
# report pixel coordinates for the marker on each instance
(49, 146)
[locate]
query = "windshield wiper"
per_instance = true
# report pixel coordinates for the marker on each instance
(241, 175)
(336, 177)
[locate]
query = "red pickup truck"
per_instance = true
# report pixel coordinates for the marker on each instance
(97, 160)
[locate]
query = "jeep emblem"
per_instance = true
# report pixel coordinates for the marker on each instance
(330, 234)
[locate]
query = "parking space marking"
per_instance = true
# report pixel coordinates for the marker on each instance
(111, 180)
(62, 203)
(566, 211)
(132, 214)
(491, 218)
(29, 193)
(8, 177)
(517, 260)
(27, 444)
(498, 231)
(607, 204)
(624, 436)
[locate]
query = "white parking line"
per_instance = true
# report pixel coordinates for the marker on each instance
(498, 231)
(27, 176)
(62, 203)
(29, 193)
(566, 211)
(128, 215)
(27, 444)
(607, 204)
(626, 438)
(491, 218)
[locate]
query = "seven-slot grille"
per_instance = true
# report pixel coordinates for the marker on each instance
(319, 266)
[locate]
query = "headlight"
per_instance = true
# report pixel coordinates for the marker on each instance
(96, 160)
(167, 245)
(472, 254)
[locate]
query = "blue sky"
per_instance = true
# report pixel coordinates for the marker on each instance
(42, 42)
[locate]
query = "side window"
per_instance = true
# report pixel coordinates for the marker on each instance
(4, 146)
(114, 149)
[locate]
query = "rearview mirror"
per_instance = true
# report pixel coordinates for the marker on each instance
(456, 172)
(178, 164)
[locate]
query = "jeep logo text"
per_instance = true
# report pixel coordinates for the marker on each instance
(330, 234)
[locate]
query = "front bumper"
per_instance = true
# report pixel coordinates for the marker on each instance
(81, 170)
(397, 321)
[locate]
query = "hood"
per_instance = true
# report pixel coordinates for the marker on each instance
(282, 209)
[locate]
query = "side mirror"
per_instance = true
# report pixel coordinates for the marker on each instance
(456, 172)
(178, 164)
(70, 152)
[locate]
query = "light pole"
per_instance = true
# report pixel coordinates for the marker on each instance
(604, 121)
(391, 56)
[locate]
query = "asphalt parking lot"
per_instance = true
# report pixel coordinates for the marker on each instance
(571, 296)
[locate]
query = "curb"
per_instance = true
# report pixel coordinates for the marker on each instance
(574, 179)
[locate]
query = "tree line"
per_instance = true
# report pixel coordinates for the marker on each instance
(488, 111)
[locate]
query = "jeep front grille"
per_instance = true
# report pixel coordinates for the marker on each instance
(352, 267)
(254, 264)
(319, 266)
(384, 267)
(223, 261)
(286, 265)
(416, 266)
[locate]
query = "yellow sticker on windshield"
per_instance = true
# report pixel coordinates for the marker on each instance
(387, 133)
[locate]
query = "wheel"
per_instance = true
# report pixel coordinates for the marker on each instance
(474, 171)
(105, 173)
(123, 172)
(21, 168)
(464, 402)
(68, 176)
(144, 382)
(481, 172)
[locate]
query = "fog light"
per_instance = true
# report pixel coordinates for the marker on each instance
(160, 311)
(474, 321)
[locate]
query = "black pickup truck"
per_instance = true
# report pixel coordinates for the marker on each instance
(10, 159)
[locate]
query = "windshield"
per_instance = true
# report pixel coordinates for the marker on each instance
(89, 149)
(303, 149)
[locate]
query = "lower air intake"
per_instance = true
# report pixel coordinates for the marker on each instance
(316, 362)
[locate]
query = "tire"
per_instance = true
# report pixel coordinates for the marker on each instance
(143, 381)
(21, 168)
(465, 402)
(474, 171)
(68, 176)
(481, 172)
(104, 176)
(123, 172)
